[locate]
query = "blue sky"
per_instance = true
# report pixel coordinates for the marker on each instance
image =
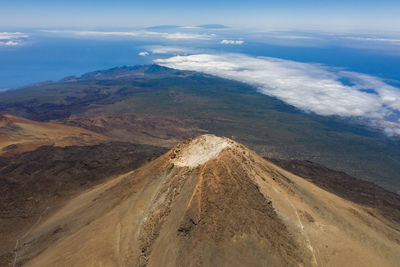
(338, 15)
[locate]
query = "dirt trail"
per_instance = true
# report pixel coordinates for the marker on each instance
(27, 232)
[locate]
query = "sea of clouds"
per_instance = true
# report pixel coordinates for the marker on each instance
(310, 87)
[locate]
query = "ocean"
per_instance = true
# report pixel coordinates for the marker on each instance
(46, 57)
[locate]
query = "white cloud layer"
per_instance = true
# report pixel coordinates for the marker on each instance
(310, 87)
(12, 38)
(232, 42)
(143, 54)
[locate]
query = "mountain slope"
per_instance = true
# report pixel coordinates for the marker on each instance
(19, 135)
(341, 184)
(195, 103)
(35, 184)
(212, 202)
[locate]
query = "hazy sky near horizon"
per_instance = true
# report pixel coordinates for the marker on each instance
(335, 15)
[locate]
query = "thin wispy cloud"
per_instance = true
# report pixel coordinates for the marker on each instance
(143, 54)
(96, 33)
(12, 38)
(294, 37)
(310, 87)
(188, 36)
(173, 50)
(374, 39)
(138, 34)
(232, 42)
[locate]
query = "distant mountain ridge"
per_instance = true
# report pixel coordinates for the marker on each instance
(123, 72)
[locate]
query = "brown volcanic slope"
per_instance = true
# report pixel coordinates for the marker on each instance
(211, 202)
(340, 183)
(37, 183)
(18, 135)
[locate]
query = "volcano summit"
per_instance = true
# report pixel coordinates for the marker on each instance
(211, 201)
